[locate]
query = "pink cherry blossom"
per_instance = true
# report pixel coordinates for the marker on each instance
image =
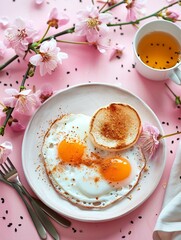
(135, 9)
(92, 24)
(149, 140)
(24, 102)
(19, 36)
(169, 15)
(102, 44)
(5, 150)
(48, 57)
(45, 92)
(117, 51)
(57, 20)
(2, 50)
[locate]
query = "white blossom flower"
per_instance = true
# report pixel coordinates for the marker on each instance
(24, 102)
(57, 19)
(92, 24)
(48, 57)
(19, 36)
(135, 9)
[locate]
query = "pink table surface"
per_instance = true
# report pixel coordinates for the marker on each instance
(86, 64)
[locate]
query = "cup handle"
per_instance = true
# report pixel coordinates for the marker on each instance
(175, 76)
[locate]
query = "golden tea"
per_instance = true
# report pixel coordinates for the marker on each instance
(159, 50)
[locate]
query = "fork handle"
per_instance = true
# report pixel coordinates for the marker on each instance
(41, 214)
(39, 227)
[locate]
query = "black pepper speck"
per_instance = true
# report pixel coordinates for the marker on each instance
(74, 230)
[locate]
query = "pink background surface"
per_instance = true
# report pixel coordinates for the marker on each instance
(85, 64)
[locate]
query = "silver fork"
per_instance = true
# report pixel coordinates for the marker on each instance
(10, 173)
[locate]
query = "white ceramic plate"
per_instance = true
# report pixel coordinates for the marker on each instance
(86, 98)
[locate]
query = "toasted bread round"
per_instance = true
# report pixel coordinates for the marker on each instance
(115, 127)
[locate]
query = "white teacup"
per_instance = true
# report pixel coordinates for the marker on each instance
(163, 72)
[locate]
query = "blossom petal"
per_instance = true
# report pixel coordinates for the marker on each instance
(149, 140)
(5, 149)
(11, 91)
(4, 21)
(10, 102)
(17, 127)
(39, 1)
(35, 60)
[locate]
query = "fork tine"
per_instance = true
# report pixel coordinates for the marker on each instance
(10, 163)
(7, 167)
(5, 170)
(2, 173)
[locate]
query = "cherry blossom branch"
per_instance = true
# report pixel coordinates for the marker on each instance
(8, 62)
(36, 46)
(168, 135)
(25, 77)
(177, 98)
(67, 31)
(33, 45)
(155, 14)
(72, 29)
(72, 42)
(113, 6)
(10, 110)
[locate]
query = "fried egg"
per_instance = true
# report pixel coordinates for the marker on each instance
(83, 174)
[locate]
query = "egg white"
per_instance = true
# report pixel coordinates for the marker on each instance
(84, 185)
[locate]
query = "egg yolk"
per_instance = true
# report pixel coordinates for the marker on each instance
(115, 170)
(70, 152)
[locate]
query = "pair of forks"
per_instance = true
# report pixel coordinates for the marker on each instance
(36, 208)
